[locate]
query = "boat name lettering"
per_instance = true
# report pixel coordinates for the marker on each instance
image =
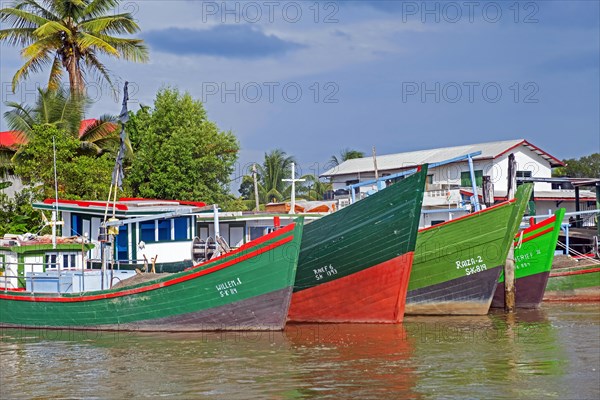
(327, 270)
(521, 259)
(228, 288)
(474, 270)
(468, 262)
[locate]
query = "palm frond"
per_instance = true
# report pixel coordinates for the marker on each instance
(38, 9)
(51, 28)
(96, 67)
(86, 41)
(56, 74)
(89, 148)
(101, 129)
(120, 23)
(98, 7)
(19, 119)
(18, 36)
(21, 18)
(41, 45)
(130, 49)
(34, 64)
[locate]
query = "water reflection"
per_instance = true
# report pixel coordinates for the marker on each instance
(512, 356)
(353, 360)
(553, 352)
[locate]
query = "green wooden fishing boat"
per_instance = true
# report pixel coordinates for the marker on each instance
(574, 284)
(246, 289)
(354, 264)
(534, 252)
(457, 263)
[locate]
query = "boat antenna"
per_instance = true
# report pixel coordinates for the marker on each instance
(55, 212)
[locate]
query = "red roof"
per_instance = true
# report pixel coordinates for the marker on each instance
(9, 138)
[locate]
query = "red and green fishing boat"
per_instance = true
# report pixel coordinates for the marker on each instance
(354, 264)
(246, 289)
(576, 284)
(457, 263)
(534, 252)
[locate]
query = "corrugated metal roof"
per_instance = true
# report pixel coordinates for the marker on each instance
(410, 159)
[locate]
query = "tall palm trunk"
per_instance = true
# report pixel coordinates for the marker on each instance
(71, 64)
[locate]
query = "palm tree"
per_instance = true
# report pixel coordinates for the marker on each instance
(346, 154)
(313, 189)
(58, 108)
(276, 166)
(69, 35)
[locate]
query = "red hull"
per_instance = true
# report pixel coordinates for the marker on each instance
(376, 294)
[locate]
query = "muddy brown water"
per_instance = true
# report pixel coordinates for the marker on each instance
(553, 352)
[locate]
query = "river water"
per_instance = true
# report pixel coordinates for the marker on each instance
(553, 352)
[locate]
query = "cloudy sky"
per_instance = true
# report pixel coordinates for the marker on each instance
(313, 78)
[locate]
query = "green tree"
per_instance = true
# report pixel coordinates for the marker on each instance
(70, 35)
(60, 109)
(17, 215)
(346, 154)
(584, 167)
(276, 166)
(179, 153)
(247, 188)
(79, 176)
(313, 188)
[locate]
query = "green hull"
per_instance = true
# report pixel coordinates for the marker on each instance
(534, 252)
(535, 246)
(354, 264)
(574, 284)
(457, 263)
(247, 289)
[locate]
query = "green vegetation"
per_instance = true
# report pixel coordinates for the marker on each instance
(584, 167)
(65, 112)
(345, 155)
(69, 35)
(277, 166)
(79, 176)
(179, 153)
(17, 215)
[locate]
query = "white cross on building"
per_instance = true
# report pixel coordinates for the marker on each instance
(293, 180)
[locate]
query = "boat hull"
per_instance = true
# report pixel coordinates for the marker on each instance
(352, 262)
(457, 263)
(534, 252)
(248, 289)
(529, 291)
(467, 295)
(376, 294)
(574, 284)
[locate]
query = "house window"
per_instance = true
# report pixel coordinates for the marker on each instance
(50, 261)
(522, 174)
(147, 231)
(76, 225)
(164, 230)
(121, 244)
(465, 178)
(181, 228)
(69, 261)
(429, 179)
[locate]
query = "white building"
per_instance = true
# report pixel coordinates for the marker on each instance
(449, 185)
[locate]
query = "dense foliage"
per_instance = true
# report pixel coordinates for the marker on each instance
(585, 167)
(79, 176)
(179, 153)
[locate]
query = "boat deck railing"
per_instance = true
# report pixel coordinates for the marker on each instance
(46, 277)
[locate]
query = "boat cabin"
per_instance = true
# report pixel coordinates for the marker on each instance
(166, 232)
